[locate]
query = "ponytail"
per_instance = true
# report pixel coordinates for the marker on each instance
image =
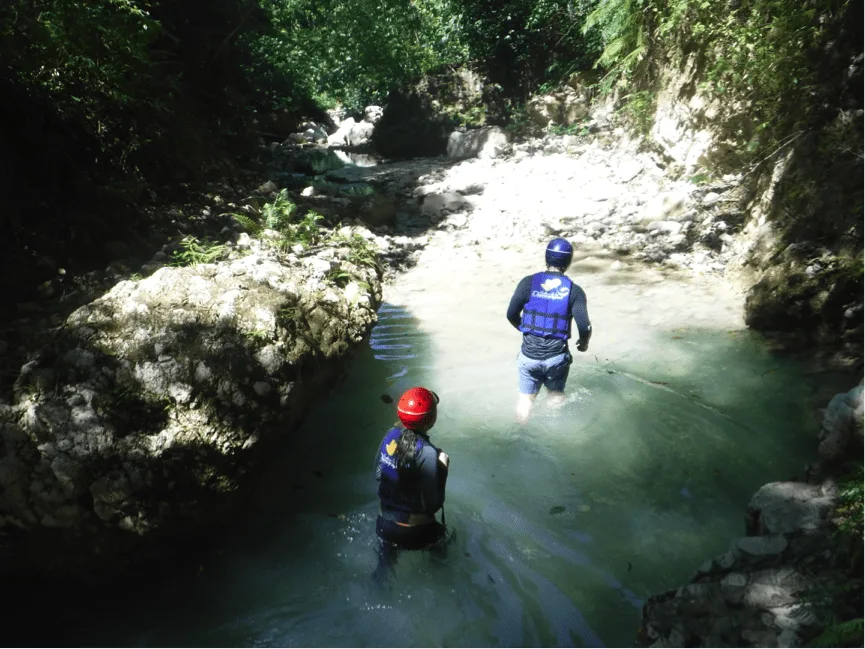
(406, 454)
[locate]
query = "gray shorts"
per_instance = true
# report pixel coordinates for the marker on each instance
(552, 373)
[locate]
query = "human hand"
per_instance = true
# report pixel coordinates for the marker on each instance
(582, 347)
(444, 459)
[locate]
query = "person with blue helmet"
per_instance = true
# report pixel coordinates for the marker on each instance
(542, 308)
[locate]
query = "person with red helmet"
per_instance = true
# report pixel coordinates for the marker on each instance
(542, 308)
(411, 474)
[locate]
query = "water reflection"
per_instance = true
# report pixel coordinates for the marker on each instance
(356, 159)
(316, 161)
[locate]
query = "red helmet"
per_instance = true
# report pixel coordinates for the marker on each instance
(417, 408)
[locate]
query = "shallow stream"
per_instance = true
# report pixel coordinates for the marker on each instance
(559, 531)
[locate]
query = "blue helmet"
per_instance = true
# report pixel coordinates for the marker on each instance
(559, 253)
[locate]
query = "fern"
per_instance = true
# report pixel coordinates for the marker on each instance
(845, 634)
(278, 214)
(193, 252)
(253, 227)
(624, 33)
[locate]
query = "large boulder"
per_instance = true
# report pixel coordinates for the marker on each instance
(485, 142)
(410, 127)
(372, 114)
(804, 244)
(142, 417)
(360, 133)
(340, 137)
(283, 123)
(437, 205)
(419, 117)
(785, 507)
(841, 429)
(564, 107)
(355, 133)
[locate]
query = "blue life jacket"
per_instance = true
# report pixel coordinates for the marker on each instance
(548, 313)
(400, 498)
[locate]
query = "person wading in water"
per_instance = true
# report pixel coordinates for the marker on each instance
(541, 308)
(411, 474)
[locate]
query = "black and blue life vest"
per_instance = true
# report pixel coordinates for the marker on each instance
(396, 496)
(548, 313)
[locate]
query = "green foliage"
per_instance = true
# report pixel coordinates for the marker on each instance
(339, 277)
(472, 117)
(353, 51)
(252, 226)
(561, 129)
(844, 634)
(129, 74)
(528, 42)
(702, 177)
(848, 512)
(277, 215)
(281, 217)
(257, 335)
(836, 604)
(291, 318)
(91, 58)
(306, 232)
(570, 129)
(520, 124)
(193, 252)
(639, 107)
(361, 252)
(624, 29)
(758, 52)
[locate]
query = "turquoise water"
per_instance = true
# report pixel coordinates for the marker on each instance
(559, 531)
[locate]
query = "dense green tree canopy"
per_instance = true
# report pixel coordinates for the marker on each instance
(103, 97)
(353, 51)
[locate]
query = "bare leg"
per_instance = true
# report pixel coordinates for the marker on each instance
(524, 407)
(556, 399)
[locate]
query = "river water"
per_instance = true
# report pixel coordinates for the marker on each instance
(559, 531)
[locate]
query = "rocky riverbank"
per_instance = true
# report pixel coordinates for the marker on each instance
(783, 583)
(600, 190)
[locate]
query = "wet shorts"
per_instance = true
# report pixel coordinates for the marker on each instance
(412, 538)
(552, 373)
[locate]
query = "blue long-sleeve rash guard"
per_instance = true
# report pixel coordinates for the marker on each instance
(538, 347)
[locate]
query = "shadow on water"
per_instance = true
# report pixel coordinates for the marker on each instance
(561, 528)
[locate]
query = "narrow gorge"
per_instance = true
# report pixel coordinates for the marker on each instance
(190, 414)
